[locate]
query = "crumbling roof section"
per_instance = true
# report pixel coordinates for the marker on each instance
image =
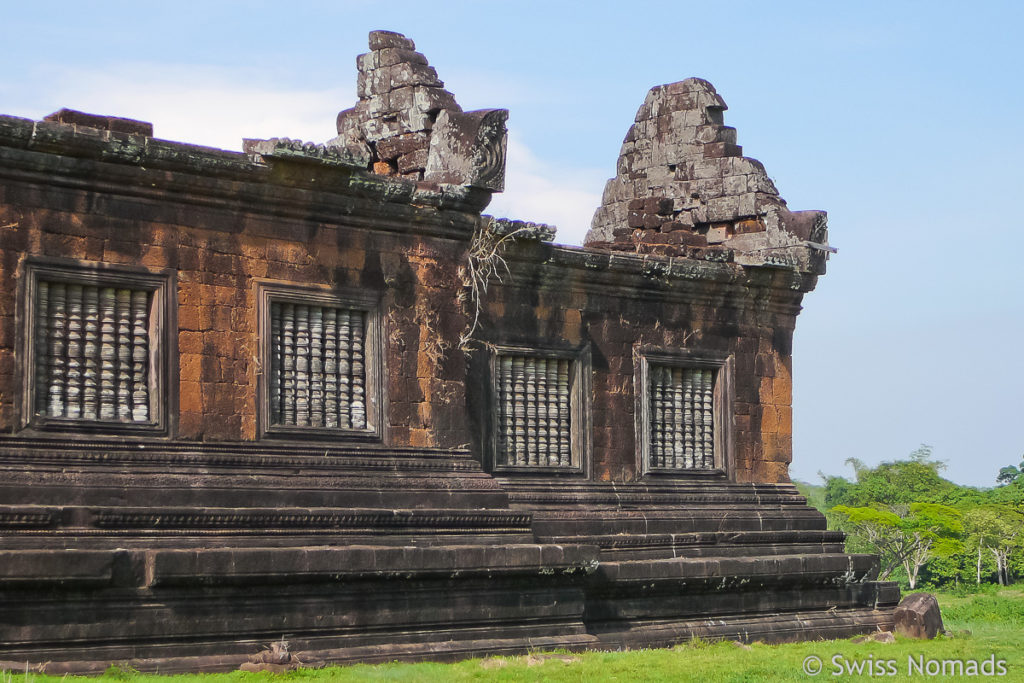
(114, 124)
(683, 188)
(411, 126)
(406, 126)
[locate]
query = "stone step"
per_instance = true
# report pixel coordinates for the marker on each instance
(149, 568)
(779, 627)
(87, 526)
(723, 518)
(174, 610)
(560, 495)
(791, 570)
(709, 543)
(109, 473)
(667, 601)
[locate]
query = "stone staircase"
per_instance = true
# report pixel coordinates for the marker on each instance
(176, 557)
(717, 559)
(182, 556)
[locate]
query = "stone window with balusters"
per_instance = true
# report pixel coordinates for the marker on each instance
(97, 341)
(682, 415)
(320, 362)
(538, 413)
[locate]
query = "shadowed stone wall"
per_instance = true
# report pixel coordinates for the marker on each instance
(617, 305)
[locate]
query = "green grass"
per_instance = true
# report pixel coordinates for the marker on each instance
(983, 624)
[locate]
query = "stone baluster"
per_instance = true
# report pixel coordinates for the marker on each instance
(302, 365)
(519, 411)
(344, 369)
(123, 303)
(91, 352)
(108, 355)
(42, 347)
(140, 355)
(276, 351)
(698, 419)
(73, 401)
(689, 421)
(330, 360)
(358, 372)
(541, 371)
(564, 414)
(671, 416)
(288, 363)
(530, 369)
(316, 366)
(58, 349)
(506, 411)
(555, 423)
(659, 425)
(708, 445)
(675, 446)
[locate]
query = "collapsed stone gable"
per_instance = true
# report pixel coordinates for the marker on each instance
(406, 124)
(310, 390)
(682, 186)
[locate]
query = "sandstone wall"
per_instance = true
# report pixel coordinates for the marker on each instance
(218, 251)
(618, 306)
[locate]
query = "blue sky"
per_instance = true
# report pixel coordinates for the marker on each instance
(902, 119)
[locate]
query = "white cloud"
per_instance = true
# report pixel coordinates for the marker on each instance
(217, 107)
(200, 105)
(538, 191)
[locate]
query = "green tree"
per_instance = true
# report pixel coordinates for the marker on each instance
(906, 536)
(895, 486)
(903, 482)
(1010, 474)
(998, 529)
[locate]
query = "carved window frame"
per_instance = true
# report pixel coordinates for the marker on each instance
(722, 365)
(161, 332)
(579, 406)
(270, 292)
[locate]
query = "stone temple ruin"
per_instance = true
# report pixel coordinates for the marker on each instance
(284, 393)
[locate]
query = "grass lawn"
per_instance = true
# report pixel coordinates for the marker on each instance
(983, 625)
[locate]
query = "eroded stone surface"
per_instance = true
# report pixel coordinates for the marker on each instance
(115, 124)
(405, 125)
(468, 149)
(918, 616)
(413, 127)
(683, 187)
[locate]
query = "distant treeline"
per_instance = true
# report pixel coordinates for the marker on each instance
(927, 530)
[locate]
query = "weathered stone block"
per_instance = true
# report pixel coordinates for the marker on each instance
(749, 225)
(468, 149)
(716, 150)
(392, 148)
(406, 74)
(918, 616)
(717, 235)
(99, 122)
(390, 56)
(413, 161)
(431, 99)
(379, 129)
(367, 61)
(687, 238)
(722, 209)
(380, 40)
(652, 221)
